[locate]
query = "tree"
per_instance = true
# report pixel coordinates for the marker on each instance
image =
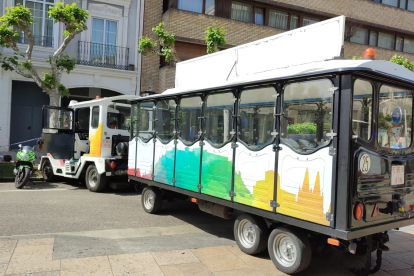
(167, 43)
(19, 18)
(398, 59)
(215, 39)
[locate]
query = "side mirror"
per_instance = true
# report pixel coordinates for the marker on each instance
(20, 146)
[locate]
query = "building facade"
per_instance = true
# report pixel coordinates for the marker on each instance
(107, 62)
(385, 25)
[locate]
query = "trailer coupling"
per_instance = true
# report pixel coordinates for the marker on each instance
(397, 208)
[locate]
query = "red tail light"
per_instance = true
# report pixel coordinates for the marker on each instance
(359, 211)
(113, 165)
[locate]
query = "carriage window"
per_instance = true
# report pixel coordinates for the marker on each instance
(218, 115)
(134, 120)
(82, 116)
(189, 122)
(256, 121)
(95, 117)
(164, 125)
(395, 117)
(145, 112)
(307, 108)
(362, 109)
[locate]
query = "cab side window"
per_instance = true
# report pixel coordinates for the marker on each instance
(95, 117)
(362, 109)
(82, 116)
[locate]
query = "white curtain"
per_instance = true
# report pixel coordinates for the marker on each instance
(373, 38)
(191, 5)
(308, 21)
(278, 19)
(399, 44)
(242, 12)
(410, 6)
(409, 45)
(360, 36)
(393, 3)
(294, 22)
(386, 41)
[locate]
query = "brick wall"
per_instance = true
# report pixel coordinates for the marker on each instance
(354, 49)
(166, 77)
(151, 63)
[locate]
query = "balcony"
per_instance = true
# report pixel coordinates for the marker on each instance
(41, 41)
(103, 55)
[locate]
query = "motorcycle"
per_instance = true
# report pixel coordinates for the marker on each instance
(24, 165)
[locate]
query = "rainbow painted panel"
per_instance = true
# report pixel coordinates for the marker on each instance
(304, 185)
(254, 179)
(187, 170)
(132, 146)
(164, 162)
(216, 171)
(95, 138)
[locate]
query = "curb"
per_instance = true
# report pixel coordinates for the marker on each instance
(11, 179)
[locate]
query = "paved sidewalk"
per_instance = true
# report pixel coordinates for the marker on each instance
(35, 257)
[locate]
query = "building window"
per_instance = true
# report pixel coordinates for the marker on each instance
(404, 4)
(410, 5)
(308, 21)
(278, 19)
(242, 12)
(373, 37)
(294, 22)
(43, 25)
(409, 46)
(399, 43)
(198, 6)
(393, 3)
(361, 36)
(103, 48)
(259, 16)
(386, 41)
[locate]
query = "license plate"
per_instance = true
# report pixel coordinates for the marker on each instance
(397, 175)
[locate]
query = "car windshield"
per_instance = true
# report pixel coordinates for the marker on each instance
(27, 149)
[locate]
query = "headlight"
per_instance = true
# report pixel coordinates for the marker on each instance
(24, 156)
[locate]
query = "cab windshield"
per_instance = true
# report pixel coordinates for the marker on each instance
(118, 117)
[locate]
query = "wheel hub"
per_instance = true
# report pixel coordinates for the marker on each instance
(149, 200)
(247, 233)
(284, 250)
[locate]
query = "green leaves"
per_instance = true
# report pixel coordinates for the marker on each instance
(67, 63)
(64, 92)
(73, 17)
(304, 128)
(215, 38)
(49, 80)
(7, 36)
(398, 59)
(18, 16)
(166, 40)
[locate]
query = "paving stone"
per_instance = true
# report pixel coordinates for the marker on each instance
(405, 257)
(238, 272)
(397, 238)
(134, 264)
(175, 257)
(47, 273)
(70, 247)
(32, 259)
(236, 250)
(219, 259)
(395, 248)
(86, 266)
(190, 269)
(389, 263)
(263, 264)
(3, 269)
(34, 242)
(408, 245)
(6, 250)
(406, 235)
(403, 272)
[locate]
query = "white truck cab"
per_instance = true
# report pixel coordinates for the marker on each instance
(87, 141)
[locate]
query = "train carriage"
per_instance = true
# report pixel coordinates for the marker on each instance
(318, 151)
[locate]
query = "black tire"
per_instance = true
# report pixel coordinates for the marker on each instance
(251, 234)
(21, 178)
(47, 171)
(297, 242)
(94, 181)
(151, 199)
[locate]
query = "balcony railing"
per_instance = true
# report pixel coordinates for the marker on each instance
(103, 55)
(42, 41)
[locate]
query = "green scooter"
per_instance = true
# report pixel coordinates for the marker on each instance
(24, 165)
